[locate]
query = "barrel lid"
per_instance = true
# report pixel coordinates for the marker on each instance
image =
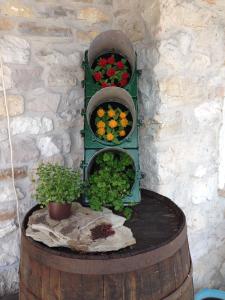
(158, 225)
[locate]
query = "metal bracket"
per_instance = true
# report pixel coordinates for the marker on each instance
(82, 132)
(143, 175)
(82, 164)
(139, 72)
(140, 121)
(83, 112)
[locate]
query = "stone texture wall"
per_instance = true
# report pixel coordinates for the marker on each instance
(181, 52)
(191, 78)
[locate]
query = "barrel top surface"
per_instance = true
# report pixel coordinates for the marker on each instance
(156, 222)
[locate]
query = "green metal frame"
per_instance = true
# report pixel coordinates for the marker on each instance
(92, 144)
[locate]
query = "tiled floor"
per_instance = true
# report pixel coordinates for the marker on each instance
(11, 297)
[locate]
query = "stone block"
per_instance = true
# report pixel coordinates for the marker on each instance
(14, 50)
(9, 280)
(7, 78)
(7, 226)
(54, 57)
(24, 150)
(19, 172)
(29, 125)
(54, 159)
(7, 215)
(61, 76)
(57, 11)
(47, 147)
(83, 1)
(63, 142)
(181, 87)
(6, 24)
(85, 37)
(7, 193)
(208, 112)
(15, 105)
(93, 15)
(27, 78)
(52, 145)
(3, 134)
(39, 100)
(186, 14)
(133, 26)
(34, 29)
(16, 8)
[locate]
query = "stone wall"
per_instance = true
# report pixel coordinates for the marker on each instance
(180, 47)
(191, 77)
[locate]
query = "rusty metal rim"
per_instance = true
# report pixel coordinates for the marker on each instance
(183, 287)
(101, 266)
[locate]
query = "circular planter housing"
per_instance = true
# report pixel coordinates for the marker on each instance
(112, 95)
(114, 41)
(91, 165)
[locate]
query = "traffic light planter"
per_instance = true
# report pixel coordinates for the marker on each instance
(112, 44)
(113, 41)
(110, 96)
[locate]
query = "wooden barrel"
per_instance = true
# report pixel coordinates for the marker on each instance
(157, 267)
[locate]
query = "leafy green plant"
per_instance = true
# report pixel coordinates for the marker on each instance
(57, 184)
(111, 181)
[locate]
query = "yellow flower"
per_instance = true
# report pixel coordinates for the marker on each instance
(122, 133)
(112, 123)
(124, 122)
(101, 124)
(101, 131)
(110, 137)
(111, 113)
(123, 115)
(100, 112)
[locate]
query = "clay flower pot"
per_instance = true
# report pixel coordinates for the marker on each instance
(59, 211)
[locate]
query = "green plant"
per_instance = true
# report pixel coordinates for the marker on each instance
(112, 124)
(57, 184)
(111, 70)
(111, 181)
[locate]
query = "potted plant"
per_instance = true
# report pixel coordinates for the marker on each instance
(110, 181)
(57, 188)
(111, 70)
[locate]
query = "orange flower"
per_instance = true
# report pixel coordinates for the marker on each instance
(124, 122)
(100, 112)
(101, 124)
(111, 113)
(122, 133)
(101, 131)
(110, 137)
(123, 115)
(113, 123)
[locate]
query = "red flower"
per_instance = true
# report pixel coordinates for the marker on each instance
(123, 82)
(110, 72)
(111, 60)
(102, 62)
(97, 76)
(125, 75)
(113, 84)
(104, 84)
(120, 64)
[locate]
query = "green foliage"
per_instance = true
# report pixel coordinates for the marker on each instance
(111, 181)
(57, 184)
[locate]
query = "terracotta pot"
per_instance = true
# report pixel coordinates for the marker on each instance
(59, 211)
